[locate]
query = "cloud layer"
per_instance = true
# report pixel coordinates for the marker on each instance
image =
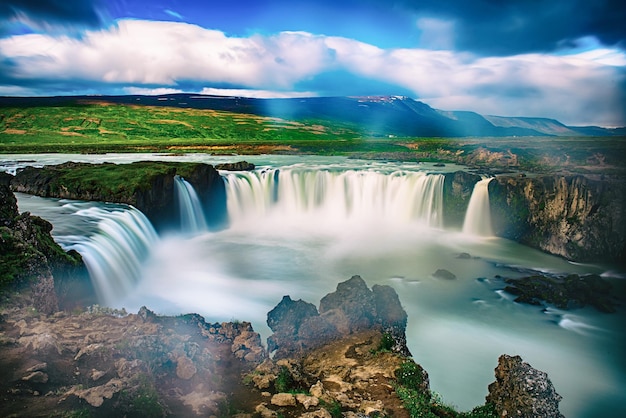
(577, 88)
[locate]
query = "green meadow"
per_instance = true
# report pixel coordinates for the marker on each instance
(101, 127)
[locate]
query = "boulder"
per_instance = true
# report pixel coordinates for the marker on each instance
(572, 291)
(238, 166)
(283, 399)
(355, 301)
(299, 327)
(444, 274)
(521, 391)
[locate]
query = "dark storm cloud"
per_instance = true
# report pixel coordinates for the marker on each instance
(45, 13)
(506, 27)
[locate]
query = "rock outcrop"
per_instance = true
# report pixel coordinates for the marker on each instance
(146, 185)
(115, 364)
(344, 356)
(521, 391)
(571, 216)
(457, 191)
(30, 258)
(575, 217)
(568, 292)
(238, 166)
(299, 327)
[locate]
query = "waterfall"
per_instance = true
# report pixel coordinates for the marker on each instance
(192, 218)
(478, 216)
(338, 195)
(115, 253)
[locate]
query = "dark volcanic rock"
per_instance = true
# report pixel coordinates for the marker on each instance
(521, 391)
(444, 274)
(392, 316)
(457, 191)
(298, 326)
(286, 320)
(238, 166)
(354, 301)
(146, 185)
(572, 216)
(29, 256)
(568, 292)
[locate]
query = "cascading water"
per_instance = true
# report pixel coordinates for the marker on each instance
(192, 218)
(115, 253)
(478, 215)
(321, 196)
(306, 223)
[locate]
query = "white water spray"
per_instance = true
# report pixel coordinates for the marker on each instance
(192, 218)
(114, 255)
(317, 197)
(478, 216)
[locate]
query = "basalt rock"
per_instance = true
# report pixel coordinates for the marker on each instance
(29, 257)
(571, 216)
(457, 191)
(146, 185)
(521, 391)
(238, 166)
(569, 292)
(298, 326)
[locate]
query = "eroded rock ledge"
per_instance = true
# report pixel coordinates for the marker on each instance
(146, 185)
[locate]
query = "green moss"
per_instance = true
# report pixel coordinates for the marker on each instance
(386, 342)
(284, 381)
(409, 375)
(421, 403)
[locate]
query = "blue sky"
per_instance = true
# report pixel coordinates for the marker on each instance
(562, 59)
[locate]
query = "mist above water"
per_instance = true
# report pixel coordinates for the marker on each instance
(299, 230)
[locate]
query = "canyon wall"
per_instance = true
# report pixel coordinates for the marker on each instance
(575, 217)
(571, 216)
(148, 186)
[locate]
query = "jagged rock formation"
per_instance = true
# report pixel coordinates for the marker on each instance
(238, 166)
(298, 326)
(521, 391)
(572, 216)
(569, 292)
(146, 185)
(345, 355)
(29, 257)
(575, 217)
(104, 360)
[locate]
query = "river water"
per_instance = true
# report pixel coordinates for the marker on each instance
(300, 225)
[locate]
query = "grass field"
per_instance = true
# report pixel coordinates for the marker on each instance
(100, 127)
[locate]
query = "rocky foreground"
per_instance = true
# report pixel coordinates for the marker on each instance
(102, 362)
(62, 357)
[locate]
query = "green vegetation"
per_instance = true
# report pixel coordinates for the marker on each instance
(421, 403)
(100, 127)
(120, 128)
(284, 381)
(386, 342)
(141, 401)
(112, 182)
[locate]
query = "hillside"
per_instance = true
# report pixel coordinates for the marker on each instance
(373, 116)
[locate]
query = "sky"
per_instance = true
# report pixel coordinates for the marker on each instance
(561, 59)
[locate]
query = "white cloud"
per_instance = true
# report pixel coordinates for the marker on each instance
(579, 88)
(257, 94)
(146, 91)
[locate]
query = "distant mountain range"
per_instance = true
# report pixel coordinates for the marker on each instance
(371, 115)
